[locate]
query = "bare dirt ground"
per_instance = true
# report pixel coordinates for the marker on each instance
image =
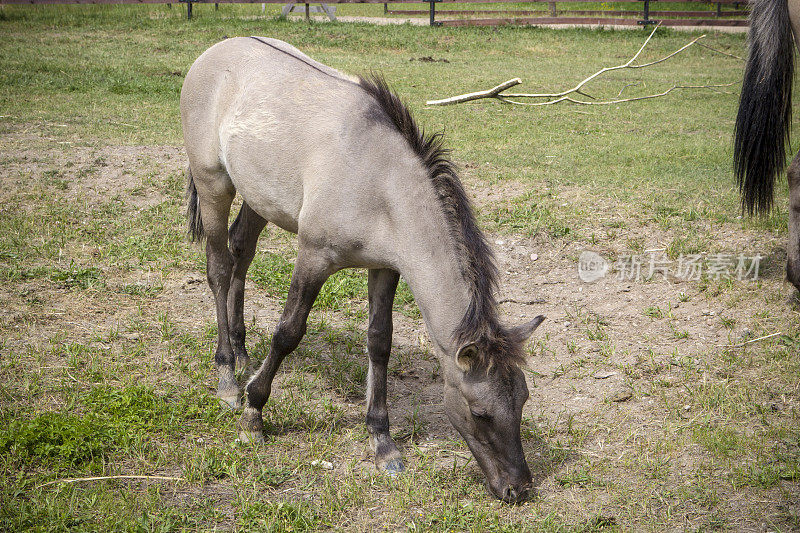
(623, 363)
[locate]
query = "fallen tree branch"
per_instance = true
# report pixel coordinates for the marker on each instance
(504, 98)
(564, 96)
(491, 93)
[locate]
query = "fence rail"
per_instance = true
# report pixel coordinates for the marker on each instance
(730, 15)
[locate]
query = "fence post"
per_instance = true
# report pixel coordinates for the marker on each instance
(189, 10)
(433, 13)
(646, 21)
(553, 11)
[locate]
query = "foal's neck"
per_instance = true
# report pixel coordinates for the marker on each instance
(428, 260)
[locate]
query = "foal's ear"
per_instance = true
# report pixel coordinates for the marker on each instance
(524, 331)
(466, 356)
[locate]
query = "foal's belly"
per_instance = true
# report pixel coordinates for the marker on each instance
(273, 201)
(263, 175)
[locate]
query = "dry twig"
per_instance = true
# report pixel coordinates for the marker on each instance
(745, 343)
(564, 96)
(535, 301)
(720, 52)
(100, 478)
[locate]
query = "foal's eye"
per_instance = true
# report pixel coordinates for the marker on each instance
(477, 412)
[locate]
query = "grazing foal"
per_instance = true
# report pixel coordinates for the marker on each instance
(341, 163)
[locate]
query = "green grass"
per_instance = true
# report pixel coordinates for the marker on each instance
(107, 336)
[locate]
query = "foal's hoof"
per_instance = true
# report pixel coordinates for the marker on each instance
(394, 468)
(251, 437)
(793, 300)
(232, 401)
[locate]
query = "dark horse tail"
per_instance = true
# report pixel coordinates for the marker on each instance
(765, 112)
(193, 209)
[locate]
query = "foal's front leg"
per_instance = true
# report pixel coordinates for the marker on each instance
(382, 287)
(793, 249)
(310, 272)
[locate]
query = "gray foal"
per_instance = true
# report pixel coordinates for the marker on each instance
(340, 162)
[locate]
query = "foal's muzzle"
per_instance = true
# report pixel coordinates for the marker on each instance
(512, 493)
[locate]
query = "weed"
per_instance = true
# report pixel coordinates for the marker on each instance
(277, 516)
(78, 277)
(654, 311)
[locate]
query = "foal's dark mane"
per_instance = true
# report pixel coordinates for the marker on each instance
(496, 344)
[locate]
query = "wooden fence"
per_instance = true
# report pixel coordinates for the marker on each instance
(710, 13)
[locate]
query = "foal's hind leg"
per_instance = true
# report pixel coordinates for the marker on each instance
(215, 192)
(310, 272)
(243, 237)
(793, 249)
(382, 287)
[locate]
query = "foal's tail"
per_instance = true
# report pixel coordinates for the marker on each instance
(193, 209)
(765, 112)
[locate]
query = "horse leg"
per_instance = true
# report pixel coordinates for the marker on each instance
(215, 192)
(793, 249)
(242, 239)
(310, 272)
(382, 285)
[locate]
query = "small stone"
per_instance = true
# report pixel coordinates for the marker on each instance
(325, 465)
(499, 242)
(534, 257)
(603, 374)
(622, 395)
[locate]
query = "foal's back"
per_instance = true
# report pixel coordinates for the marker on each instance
(302, 143)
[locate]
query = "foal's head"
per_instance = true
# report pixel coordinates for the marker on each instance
(484, 395)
